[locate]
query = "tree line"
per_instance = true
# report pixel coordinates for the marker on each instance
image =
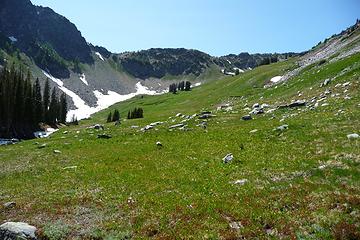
(135, 113)
(24, 105)
(181, 86)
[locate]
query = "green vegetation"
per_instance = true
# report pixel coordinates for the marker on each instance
(301, 183)
(23, 106)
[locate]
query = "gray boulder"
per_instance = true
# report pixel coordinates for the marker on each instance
(9, 205)
(228, 158)
(177, 126)
(17, 231)
(246, 117)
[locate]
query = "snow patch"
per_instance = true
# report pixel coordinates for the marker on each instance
(100, 56)
(228, 61)
(13, 39)
(197, 84)
(276, 79)
(46, 133)
(104, 100)
(240, 70)
(83, 79)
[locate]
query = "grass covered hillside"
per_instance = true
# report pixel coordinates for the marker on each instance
(297, 181)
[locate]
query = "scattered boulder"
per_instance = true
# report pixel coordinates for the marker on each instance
(9, 205)
(235, 225)
(256, 105)
(98, 127)
(104, 136)
(177, 126)
(42, 146)
(155, 123)
(257, 111)
(353, 136)
(297, 103)
(282, 128)
(206, 115)
(159, 144)
(253, 131)
(326, 82)
(70, 167)
(240, 182)
(134, 126)
(147, 127)
(57, 151)
(228, 158)
(17, 230)
(246, 117)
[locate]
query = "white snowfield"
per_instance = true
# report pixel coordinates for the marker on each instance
(276, 79)
(103, 100)
(100, 56)
(83, 79)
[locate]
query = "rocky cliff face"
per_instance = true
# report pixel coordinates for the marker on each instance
(40, 32)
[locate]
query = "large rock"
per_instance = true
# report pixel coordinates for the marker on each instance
(17, 231)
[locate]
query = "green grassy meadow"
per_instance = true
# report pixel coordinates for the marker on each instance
(302, 183)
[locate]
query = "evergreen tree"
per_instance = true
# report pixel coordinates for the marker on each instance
(116, 116)
(53, 108)
(38, 103)
(109, 118)
(63, 108)
(46, 99)
(187, 86)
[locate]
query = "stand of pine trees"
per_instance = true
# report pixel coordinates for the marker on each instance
(181, 86)
(23, 105)
(136, 113)
(113, 117)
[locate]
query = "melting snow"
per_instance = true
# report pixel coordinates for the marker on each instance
(104, 100)
(99, 55)
(276, 79)
(46, 133)
(83, 79)
(13, 39)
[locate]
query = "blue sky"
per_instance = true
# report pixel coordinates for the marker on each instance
(218, 27)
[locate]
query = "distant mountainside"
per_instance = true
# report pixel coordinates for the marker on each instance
(50, 46)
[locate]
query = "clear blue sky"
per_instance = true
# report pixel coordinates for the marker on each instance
(218, 27)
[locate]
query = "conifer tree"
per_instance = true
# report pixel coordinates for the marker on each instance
(109, 118)
(46, 99)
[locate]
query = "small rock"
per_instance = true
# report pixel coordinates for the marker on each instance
(256, 105)
(257, 111)
(42, 146)
(282, 127)
(206, 116)
(17, 230)
(159, 144)
(57, 151)
(246, 117)
(9, 205)
(240, 182)
(70, 167)
(235, 225)
(147, 127)
(353, 136)
(326, 82)
(104, 136)
(228, 158)
(98, 127)
(134, 126)
(65, 132)
(253, 131)
(177, 126)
